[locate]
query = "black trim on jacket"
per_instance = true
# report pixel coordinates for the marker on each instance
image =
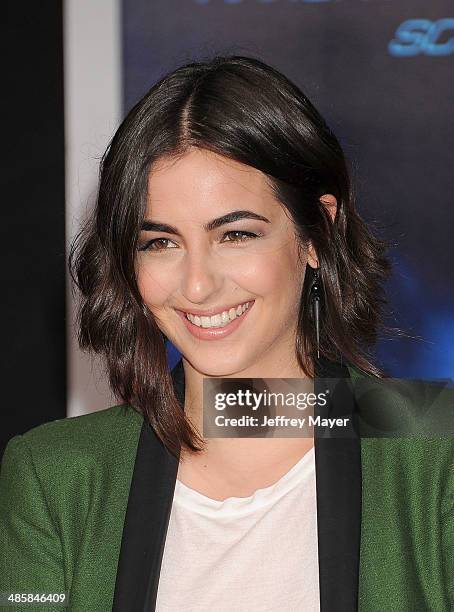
(338, 481)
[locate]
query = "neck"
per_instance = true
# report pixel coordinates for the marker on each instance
(281, 367)
(237, 466)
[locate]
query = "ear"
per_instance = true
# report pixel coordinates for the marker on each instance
(330, 204)
(312, 258)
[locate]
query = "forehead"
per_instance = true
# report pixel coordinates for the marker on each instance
(204, 181)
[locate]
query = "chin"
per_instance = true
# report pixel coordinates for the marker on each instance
(217, 367)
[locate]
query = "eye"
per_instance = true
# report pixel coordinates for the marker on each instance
(153, 245)
(245, 236)
(161, 244)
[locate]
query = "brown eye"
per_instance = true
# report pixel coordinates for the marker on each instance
(243, 236)
(153, 245)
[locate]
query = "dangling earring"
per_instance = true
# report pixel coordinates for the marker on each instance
(316, 296)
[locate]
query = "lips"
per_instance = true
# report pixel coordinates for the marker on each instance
(219, 320)
(215, 333)
(213, 311)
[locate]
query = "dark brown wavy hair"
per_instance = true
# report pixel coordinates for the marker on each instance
(245, 110)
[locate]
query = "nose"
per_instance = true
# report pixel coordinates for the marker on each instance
(202, 276)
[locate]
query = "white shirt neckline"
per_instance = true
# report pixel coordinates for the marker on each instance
(233, 506)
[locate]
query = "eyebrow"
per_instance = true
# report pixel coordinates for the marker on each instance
(236, 215)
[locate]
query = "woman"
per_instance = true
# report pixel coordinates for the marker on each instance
(225, 222)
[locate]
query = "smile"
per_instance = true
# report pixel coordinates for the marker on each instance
(218, 320)
(216, 326)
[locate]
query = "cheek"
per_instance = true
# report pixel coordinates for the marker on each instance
(267, 274)
(154, 286)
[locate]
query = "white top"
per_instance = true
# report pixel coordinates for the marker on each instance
(244, 554)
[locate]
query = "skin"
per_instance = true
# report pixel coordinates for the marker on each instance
(197, 269)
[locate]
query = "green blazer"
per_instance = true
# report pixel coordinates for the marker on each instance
(85, 504)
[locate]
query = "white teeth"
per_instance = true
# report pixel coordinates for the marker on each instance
(219, 320)
(216, 320)
(225, 318)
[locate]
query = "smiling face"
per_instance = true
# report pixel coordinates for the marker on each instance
(194, 259)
